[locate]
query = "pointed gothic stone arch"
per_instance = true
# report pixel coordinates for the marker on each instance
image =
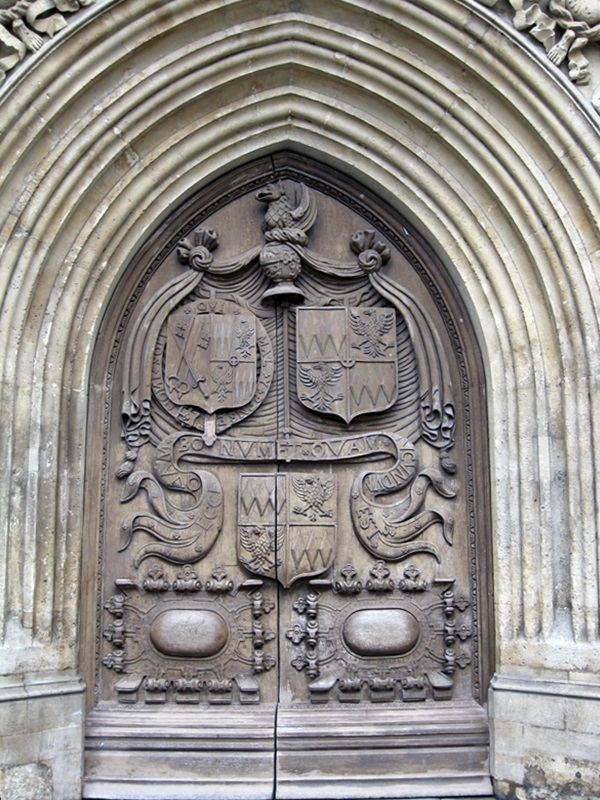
(453, 119)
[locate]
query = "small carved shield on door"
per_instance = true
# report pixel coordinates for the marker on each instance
(347, 360)
(287, 525)
(210, 359)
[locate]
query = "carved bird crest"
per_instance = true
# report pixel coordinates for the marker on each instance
(372, 327)
(321, 376)
(283, 212)
(314, 492)
(262, 543)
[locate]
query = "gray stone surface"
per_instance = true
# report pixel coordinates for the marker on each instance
(441, 109)
(26, 782)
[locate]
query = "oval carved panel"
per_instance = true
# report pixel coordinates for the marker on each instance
(189, 633)
(381, 632)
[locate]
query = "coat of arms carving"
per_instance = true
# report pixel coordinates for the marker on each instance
(210, 359)
(306, 390)
(289, 518)
(347, 363)
(287, 524)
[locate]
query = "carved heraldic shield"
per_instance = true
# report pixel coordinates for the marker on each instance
(347, 361)
(287, 525)
(210, 359)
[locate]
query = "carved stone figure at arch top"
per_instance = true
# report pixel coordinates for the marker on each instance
(288, 512)
(564, 28)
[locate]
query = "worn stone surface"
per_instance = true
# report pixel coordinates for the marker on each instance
(26, 781)
(480, 143)
(41, 738)
(546, 737)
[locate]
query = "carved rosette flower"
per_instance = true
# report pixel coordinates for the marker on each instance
(463, 660)
(299, 662)
(296, 634)
(197, 252)
(115, 661)
(372, 255)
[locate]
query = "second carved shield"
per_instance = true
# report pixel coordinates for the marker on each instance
(211, 359)
(347, 360)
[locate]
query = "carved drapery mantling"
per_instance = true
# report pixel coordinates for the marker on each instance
(209, 390)
(286, 224)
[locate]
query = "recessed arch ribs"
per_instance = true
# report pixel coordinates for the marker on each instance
(440, 112)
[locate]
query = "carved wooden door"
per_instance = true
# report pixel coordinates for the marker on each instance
(291, 532)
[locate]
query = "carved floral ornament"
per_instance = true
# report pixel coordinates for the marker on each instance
(564, 28)
(26, 25)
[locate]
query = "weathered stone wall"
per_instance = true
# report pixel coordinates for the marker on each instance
(453, 117)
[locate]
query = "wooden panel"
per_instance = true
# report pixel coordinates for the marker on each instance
(286, 510)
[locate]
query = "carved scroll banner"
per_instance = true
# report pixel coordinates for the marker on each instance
(384, 530)
(182, 535)
(286, 525)
(193, 449)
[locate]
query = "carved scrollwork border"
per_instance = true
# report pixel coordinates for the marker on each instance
(25, 26)
(564, 28)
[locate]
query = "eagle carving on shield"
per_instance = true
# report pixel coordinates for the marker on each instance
(371, 329)
(287, 524)
(347, 362)
(262, 543)
(320, 378)
(314, 492)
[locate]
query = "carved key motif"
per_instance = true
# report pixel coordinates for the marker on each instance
(288, 419)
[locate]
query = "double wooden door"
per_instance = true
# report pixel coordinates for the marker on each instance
(288, 487)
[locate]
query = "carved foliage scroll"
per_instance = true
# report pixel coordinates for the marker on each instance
(24, 25)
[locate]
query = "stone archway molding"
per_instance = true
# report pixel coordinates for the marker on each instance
(449, 117)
